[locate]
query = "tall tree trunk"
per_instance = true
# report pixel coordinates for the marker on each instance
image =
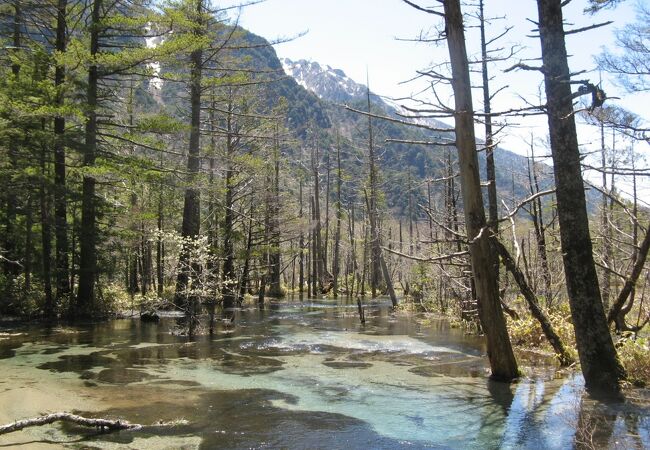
(327, 214)
(600, 366)
(502, 359)
(315, 253)
(46, 241)
(275, 286)
(243, 284)
(11, 269)
(538, 224)
(88, 233)
(628, 287)
(160, 258)
(493, 206)
(228, 291)
(60, 203)
(375, 249)
(605, 227)
(192, 202)
(339, 214)
(301, 245)
(29, 245)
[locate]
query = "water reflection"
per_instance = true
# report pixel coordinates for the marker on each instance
(302, 375)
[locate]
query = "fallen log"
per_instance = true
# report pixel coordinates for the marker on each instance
(102, 424)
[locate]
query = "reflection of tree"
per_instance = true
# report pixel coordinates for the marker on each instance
(526, 424)
(593, 429)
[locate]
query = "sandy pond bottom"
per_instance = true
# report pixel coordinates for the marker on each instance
(294, 375)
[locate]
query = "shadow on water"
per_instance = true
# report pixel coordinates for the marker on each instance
(248, 419)
(303, 374)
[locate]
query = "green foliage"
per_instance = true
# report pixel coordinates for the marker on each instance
(526, 331)
(18, 299)
(115, 299)
(634, 354)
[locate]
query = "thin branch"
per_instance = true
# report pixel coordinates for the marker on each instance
(420, 8)
(590, 27)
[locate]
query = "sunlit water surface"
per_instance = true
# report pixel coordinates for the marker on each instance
(294, 375)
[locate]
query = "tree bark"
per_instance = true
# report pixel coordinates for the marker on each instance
(337, 233)
(533, 305)
(88, 232)
(600, 366)
(630, 281)
(301, 245)
(192, 202)
(275, 286)
(493, 206)
(107, 424)
(500, 354)
(9, 241)
(62, 272)
(228, 290)
(375, 244)
(46, 236)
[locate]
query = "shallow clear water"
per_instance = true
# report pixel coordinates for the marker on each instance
(294, 375)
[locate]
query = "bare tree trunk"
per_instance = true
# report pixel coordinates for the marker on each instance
(600, 366)
(493, 206)
(502, 359)
(228, 293)
(29, 245)
(538, 223)
(605, 228)
(160, 258)
(373, 216)
(46, 241)
(301, 244)
(339, 214)
(630, 281)
(533, 305)
(327, 215)
(387, 279)
(275, 288)
(249, 248)
(67, 417)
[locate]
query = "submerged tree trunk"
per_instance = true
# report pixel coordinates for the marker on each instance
(502, 359)
(600, 366)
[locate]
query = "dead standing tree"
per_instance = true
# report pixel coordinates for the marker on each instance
(502, 360)
(600, 366)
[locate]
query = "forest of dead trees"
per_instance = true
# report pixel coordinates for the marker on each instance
(201, 196)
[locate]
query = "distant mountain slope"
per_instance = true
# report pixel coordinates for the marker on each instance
(334, 88)
(315, 95)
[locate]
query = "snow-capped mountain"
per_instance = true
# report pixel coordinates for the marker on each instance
(334, 86)
(326, 82)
